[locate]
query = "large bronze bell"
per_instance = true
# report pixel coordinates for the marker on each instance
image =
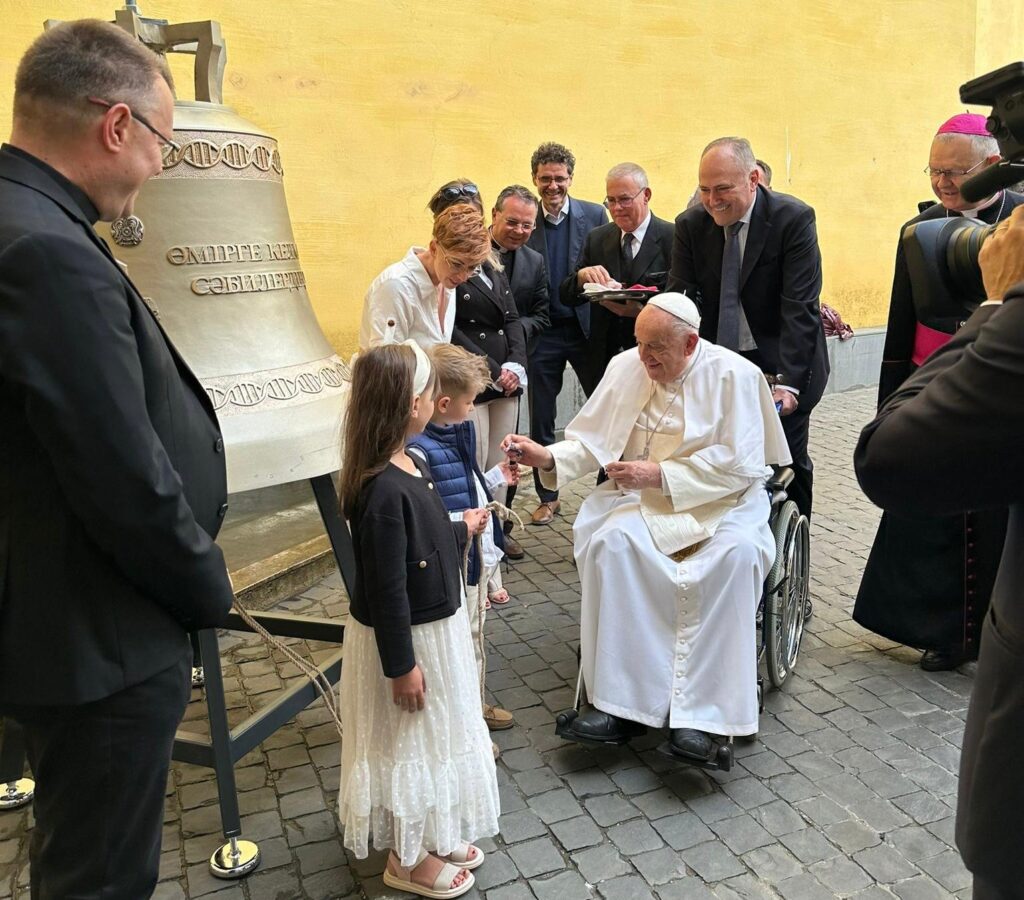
(212, 250)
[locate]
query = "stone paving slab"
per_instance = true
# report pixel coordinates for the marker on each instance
(848, 792)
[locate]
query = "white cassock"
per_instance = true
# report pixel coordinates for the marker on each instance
(671, 577)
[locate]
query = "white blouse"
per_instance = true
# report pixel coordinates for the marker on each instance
(403, 292)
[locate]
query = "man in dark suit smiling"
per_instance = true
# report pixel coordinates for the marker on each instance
(749, 258)
(112, 478)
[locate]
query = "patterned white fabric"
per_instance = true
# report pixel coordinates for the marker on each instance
(423, 779)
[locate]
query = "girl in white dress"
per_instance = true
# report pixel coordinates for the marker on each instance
(416, 765)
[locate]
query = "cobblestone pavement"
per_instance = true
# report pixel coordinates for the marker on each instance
(849, 791)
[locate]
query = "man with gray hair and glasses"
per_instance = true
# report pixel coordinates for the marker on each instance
(112, 477)
(927, 582)
(634, 248)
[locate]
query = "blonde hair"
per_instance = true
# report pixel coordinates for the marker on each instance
(459, 371)
(460, 231)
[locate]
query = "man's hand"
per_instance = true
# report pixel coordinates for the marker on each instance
(476, 520)
(635, 476)
(788, 399)
(595, 275)
(521, 449)
(409, 690)
(508, 381)
(1002, 256)
(628, 310)
(511, 472)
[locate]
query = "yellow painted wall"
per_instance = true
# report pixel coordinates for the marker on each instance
(377, 102)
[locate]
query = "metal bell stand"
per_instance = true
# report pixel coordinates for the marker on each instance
(227, 745)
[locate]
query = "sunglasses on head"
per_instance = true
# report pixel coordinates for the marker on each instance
(462, 190)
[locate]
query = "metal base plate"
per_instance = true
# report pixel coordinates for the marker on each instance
(16, 793)
(234, 860)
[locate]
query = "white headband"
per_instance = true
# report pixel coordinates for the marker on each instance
(423, 366)
(678, 305)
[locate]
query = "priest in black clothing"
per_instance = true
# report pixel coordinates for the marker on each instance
(927, 582)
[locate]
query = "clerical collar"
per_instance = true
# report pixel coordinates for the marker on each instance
(496, 246)
(82, 201)
(976, 213)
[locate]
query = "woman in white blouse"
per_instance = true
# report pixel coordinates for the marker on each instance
(417, 293)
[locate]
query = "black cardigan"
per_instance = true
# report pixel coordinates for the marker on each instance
(408, 561)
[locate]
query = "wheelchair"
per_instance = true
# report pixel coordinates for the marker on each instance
(781, 615)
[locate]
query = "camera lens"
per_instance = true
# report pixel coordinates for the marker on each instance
(964, 245)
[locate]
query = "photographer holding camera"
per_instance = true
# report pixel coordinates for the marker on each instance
(951, 439)
(927, 583)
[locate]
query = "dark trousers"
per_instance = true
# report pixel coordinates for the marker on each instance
(564, 342)
(101, 775)
(796, 427)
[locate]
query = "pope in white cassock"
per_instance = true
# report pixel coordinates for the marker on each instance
(674, 549)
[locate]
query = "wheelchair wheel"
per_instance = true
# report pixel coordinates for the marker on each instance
(787, 591)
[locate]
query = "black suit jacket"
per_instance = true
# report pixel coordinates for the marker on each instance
(610, 333)
(951, 439)
(487, 323)
(584, 216)
(112, 478)
(904, 312)
(780, 284)
(529, 283)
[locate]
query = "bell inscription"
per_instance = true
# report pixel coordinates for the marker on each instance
(220, 260)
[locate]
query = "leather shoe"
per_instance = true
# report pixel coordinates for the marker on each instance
(497, 719)
(547, 511)
(944, 660)
(594, 725)
(513, 549)
(692, 743)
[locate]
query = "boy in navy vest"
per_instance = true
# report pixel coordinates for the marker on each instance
(448, 444)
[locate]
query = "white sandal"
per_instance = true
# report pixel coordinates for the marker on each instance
(400, 878)
(462, 858)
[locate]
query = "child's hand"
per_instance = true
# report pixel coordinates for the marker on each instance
(476, 520)
(510, 470)
(409, 690)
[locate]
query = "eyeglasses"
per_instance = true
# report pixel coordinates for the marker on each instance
(609, 202)
(553, 179)
(460, 190)
(472, 269)
(516, 225)
(951, 173)
(165, 142)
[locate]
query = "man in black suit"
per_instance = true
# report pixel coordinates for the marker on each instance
(561, 229)
(513, 220)
(951, 439)
(112, 473)
(634, 248)
(749, 258)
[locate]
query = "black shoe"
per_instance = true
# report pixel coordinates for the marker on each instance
(944, 660)
(594, 725)
(691, 743)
